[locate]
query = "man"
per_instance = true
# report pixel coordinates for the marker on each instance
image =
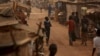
(77, 28)
(73, 15)
(72, 36)
(49, 10)
(96, 43)
(52, 49)
(84, 30)
(76, 18)
(47, 25)
(28, 12)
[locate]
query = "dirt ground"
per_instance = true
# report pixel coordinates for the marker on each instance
(59, 36)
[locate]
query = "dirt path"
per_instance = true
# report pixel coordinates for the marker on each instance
(59, 35)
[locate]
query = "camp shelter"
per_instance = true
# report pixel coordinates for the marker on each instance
(14, 38)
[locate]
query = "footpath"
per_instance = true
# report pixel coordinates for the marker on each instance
(59, 36)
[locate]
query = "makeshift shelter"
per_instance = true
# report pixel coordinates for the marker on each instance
(14, 37)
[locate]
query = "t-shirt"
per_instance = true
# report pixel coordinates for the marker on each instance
(47, 24)
(76, 19)
(96, 44)
(84, 25)
(71, 25)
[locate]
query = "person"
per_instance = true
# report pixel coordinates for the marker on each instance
(47, 25)
(52, 49)
(49, 10)
(76, 19)
(96, 43)
(41, 9)
(71, 24)
(84, 30)
(73, 15)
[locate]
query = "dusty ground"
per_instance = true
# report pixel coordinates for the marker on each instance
(59, 36)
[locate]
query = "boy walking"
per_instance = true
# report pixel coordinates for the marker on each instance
(47, 25)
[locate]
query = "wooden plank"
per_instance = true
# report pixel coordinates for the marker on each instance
(19, 36)
(7, 21)
(12, 22)
(21, 42)
(24, 27)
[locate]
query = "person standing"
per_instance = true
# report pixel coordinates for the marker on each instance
(71, 24)
(96, 43)
(77, 27)
(84, 30)
(49, 10)
(76, 18)
(47, 25)
(41, 9)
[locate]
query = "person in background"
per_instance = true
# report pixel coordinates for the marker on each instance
(73, 15)
(96, 43)
(47, 25)
(76, 18)
(41, 10)
(52, 49)
(71, 24)
(84, 30)
(77, 27)
(49, 10)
